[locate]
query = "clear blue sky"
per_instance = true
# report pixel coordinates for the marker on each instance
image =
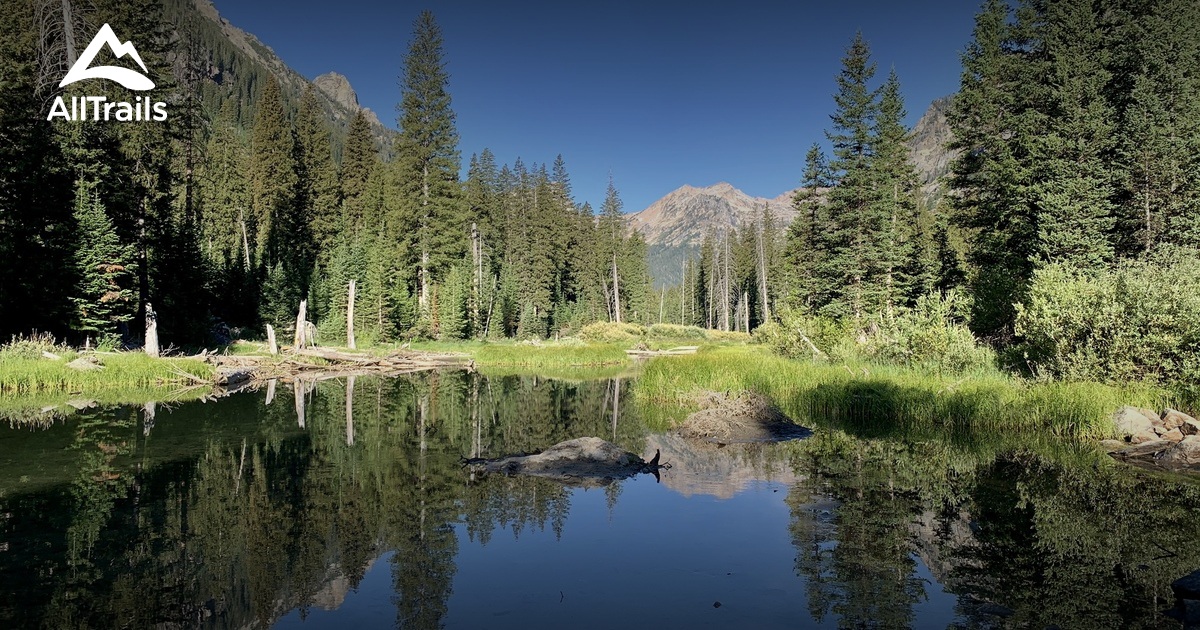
(660, 94)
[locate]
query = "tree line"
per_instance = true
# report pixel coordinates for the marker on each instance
(233, 211)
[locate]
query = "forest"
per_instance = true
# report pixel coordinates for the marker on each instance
(1061, 244)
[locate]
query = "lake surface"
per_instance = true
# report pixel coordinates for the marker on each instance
(345, 504)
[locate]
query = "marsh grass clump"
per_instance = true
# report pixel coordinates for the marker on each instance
(32, 346)
(875, 401)
(675, 331)
(121, 370)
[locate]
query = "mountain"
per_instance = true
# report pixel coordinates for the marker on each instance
(675, 225)
(234, 64)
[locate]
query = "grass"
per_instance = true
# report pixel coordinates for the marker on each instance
(528, 356)
(23, 375)
(872, 401)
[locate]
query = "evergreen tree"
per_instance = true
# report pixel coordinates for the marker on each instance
(852, 270)
(427, 160)
(902, 240)
(358, 160)
(1074, 198)
(272, 176)
(994, 124)
(103, 298)
(318, 197)
(806, 251)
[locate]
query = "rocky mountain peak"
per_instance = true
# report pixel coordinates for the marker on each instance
(337, 87)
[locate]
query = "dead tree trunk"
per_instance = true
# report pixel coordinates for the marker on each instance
(350, 318)
(616, 291)
(301, 321)
(151, 331)
(350, 410)
(272, 346)
(270, 392)
(298, 389)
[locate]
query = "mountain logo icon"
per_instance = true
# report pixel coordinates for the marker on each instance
(129, 78)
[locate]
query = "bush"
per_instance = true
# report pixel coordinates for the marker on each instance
(931, 336)
(611, 332)
(675, 331)
(32, 347)
(1138, 322)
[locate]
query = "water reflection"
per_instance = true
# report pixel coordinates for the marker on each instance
(256, 508)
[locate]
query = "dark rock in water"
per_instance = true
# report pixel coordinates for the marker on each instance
(586, 461)
(1188, 586)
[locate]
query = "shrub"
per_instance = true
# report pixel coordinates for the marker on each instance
(611, 332)
(1140, 321)
(32, 347)
(930, 335)
(787, 336)
(675, 331)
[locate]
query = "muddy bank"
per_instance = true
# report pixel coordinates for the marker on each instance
(744, 417)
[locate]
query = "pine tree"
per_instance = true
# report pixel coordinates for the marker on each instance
(272, 175)
(1074, 198)
(317, 194)
(103, 297)
(895, 178)
(806, 248)
(850, 274)
(427, 160)
(994, 122)
(611, 237)
(359, 156)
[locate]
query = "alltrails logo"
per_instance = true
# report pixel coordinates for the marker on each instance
(99, 107)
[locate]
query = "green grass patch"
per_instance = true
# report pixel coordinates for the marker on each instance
(23, 375)
(871, 401)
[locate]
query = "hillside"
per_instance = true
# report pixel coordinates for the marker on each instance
(234, 64)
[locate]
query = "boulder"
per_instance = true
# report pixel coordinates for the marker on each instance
(1143, 437)
(586, 461)
(1144, 449)
(1134, 421)
(1174, 435)
(84, 364)
(1183, 453)
(1186, 424)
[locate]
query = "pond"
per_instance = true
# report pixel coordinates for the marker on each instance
(346, 503)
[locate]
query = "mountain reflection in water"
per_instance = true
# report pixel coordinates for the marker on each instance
(345, 502)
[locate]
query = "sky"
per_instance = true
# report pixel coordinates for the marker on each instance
(657, 94)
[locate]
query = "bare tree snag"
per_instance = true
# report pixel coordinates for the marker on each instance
(350, 410)
(271, 345)
(350, 317)
(616, 291)
(298, 388)
(270, 392)
(301, 326)
(151, 331)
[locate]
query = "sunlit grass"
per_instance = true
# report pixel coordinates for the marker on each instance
(872, 400)
(122, 370)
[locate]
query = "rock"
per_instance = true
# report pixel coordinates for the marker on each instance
(1186, 424)
(1188, 586)
(1134, 421)
(1184, 453)
(1174, 435)
(1113, 445)
(1144, 449)
(85, 364)
(743, 418)
(1145, 436)
(586, 461)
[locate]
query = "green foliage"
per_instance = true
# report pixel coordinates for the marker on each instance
(675, 331)
(881, 400)
(612, 332)
(930, 336)
(21, 375)
(32, 346)
(1139, 322)
(103, 297)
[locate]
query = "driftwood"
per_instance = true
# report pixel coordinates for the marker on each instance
(586, 461)
(641, 352)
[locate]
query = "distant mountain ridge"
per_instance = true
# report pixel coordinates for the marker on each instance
(675, 225)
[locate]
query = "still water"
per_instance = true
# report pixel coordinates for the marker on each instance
(345, 504)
